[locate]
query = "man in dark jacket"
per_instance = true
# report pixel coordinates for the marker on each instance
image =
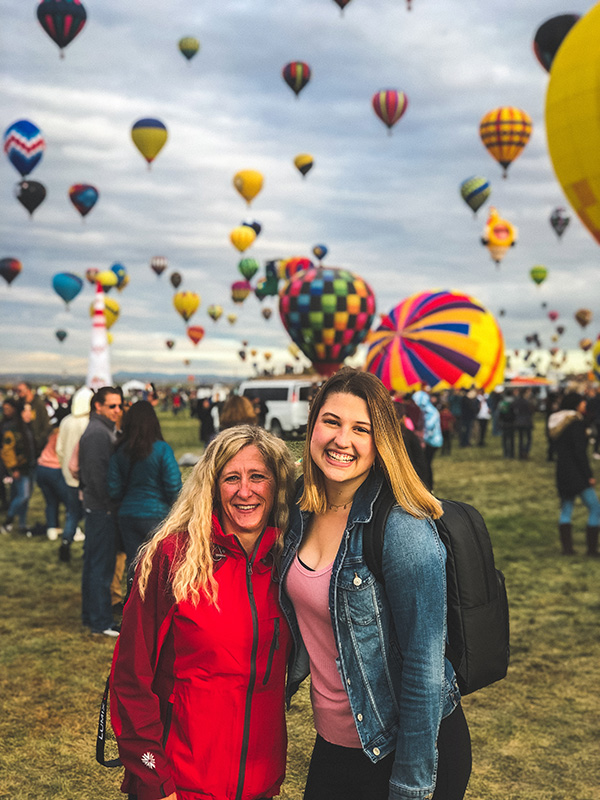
(40, 422)
(95, 449)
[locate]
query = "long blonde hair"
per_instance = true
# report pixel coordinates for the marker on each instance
(192, 570)
(392, 458)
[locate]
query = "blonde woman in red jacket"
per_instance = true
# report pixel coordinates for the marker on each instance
(197, 701)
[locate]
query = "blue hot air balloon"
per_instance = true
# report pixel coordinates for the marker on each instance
(24, 145)
(67, 285)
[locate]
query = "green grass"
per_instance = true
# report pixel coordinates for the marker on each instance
(535, 734)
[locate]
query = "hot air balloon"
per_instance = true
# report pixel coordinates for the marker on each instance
(505, 131)
(267, 355)
(585, 344)
(440, 339)
(112, 309)
(389, 105)
(240, 291)
(256, 226)
(583, 316)
(559, 221)
(596, 359)
(60, 335)
(231, 318)
(24, 145)
(91, 275)
(67, 285)
(186, 304)
(342, 4)
(84, 197)
(266, 312)
(560, 329)
(296, 74)
(158, 264)
(475, 191)
(122, 277)
(248, 267)
(266, 287)
(242, 237)
(294, 265)
(303, 163)
(549, 37)
(327, 312)
(107, 279)
(553, 316)
(170, 344)
(30, 194)
(175, 279)
(62, 20)
(149, 136)
(572, 127)
(10, 268)
(195, 333)
(320, 251)
(189, 46)
(538, 274)
(248, 182)
(498, 235)
(215, 311)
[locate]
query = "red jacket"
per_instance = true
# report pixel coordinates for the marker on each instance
(197, 692)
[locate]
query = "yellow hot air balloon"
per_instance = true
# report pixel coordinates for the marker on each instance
(149, 136)
(505, 131)
(498, 235)
(572, 121)
(248, 182)
(111, 311)
(186, 304)
(231, 318)
(189, 46)
(304, 163)
(242, 237)
(107, 279)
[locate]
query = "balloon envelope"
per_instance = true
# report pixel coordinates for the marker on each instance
(296, 74)
(67, 285)
(320, 251)
(505, 131)
(170, 344)
(175, 279)
(240, 291)
(149, 136)
(248, 182)
(549, 37)
(61, 19)
(189, 46)
(256, 226)
(248, 267)
(186, 304)
(10, 268)
(30, 194)
(195, 333)
(438, 339)
(158, 264)
(61, 335)
(215, 311)
(327, 312)
(84, 197)
(242, 237)
(107, 279)
(498, 235)
(303, 163)
(389, 105)
(538, 274)
(112, 309)
(475, 191)
(559, 221)
(583, 316)
(24, 145)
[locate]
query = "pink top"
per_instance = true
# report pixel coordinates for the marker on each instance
(309, 591)
(48, 457)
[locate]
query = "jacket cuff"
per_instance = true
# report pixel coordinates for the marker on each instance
(404, 793)
(156, 791)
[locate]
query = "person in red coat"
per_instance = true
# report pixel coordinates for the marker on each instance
(197, 683)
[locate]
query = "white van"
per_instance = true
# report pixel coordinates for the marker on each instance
(287, 403)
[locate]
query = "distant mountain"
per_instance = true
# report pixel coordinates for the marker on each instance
(158, 378)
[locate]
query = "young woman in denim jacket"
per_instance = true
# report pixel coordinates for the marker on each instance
(385, 700)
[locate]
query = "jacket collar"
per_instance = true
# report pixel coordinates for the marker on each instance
(228, 542)
(103, 420)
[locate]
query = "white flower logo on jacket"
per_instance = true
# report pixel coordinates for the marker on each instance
(149, 760)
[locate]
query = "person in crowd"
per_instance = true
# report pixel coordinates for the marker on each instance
(50, 479)
(385, 699)
(432, 432)
(197, 684)
(524, 409)
(414, 446)
(143, 477)
(99, 552)
(261, 410)
(236, 410)
(414, 416)
(39, 423)
(593, 417)
(469, 408)
(17, 451)
(447, 423)
(70, 432)
(552, 405)
(484, 416)
(204, 411)
(574, 477)
(506, 418)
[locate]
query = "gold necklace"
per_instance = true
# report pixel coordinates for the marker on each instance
(333, 507)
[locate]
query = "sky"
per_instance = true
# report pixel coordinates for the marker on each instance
(387, 207)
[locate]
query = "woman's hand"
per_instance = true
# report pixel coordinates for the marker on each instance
(171, 796)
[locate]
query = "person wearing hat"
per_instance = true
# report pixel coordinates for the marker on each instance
(574, 477)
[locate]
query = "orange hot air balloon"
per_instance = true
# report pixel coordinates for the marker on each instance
(505, 131)
(195, 333)
(186, 304)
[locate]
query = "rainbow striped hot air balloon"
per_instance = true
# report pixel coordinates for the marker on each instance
(296, 74)
(438, 339)
(389, 105)
(505, 131)
(149, 136)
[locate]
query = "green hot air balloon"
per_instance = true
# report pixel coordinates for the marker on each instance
(248, 267)
(475, 191)
(538, 274)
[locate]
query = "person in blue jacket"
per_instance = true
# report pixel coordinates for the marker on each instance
(143, 477)
(385, 699)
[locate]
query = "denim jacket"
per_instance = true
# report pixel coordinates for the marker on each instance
(390, 639)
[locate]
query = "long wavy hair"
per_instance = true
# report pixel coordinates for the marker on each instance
(141, 429)
(192, 569)
(392, 458)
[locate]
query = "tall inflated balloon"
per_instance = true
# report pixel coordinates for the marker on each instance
(549, 37)
(327, 312)
(67, 285)
(438, 339)
(475, 191)
(498, 235)
(30, 194)
(240, 291)
(559, 221)
(84, 197)
(304, 162)
(538, 274)
(10, 269)
(242, 237)
(158, 265)
(248, 182)
(149, 136)
(107, 279)
(24, 145)
(186, 304)
(296, 74)
(62, 20)
(389, 105)
(189, 46)
(505, 131)
(248, 267)
(572, 121)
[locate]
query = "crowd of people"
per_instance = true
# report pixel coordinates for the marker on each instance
(242, 583)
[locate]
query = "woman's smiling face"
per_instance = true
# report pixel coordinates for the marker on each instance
(342, 444)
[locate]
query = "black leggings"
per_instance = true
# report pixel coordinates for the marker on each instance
(346, 773)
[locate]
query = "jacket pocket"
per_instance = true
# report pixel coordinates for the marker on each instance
(272, 649)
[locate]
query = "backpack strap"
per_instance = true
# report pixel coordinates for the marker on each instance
(101, 738)
(374, 532)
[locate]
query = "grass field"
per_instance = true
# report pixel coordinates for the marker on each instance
(535, 734)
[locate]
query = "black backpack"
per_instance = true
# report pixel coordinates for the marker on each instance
(478, 629)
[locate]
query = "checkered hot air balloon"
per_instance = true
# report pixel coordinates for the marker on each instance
(505, 131)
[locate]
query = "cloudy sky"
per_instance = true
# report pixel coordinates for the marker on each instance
(387, 207)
